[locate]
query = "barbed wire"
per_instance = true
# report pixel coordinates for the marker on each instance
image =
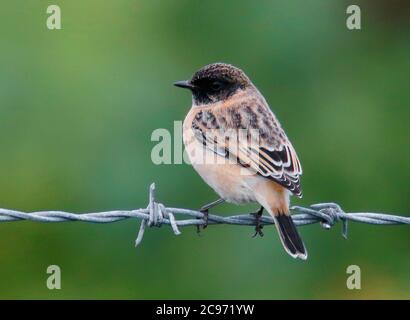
(156, 214)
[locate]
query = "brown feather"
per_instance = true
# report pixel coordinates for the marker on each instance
(269, 151)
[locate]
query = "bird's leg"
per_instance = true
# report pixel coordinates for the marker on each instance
(205, 210)
(258, 226)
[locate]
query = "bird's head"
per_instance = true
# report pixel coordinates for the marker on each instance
(215, 82)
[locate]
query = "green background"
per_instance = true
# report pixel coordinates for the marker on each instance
(78, 106)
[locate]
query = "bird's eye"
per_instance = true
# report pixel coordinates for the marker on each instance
(216, 85)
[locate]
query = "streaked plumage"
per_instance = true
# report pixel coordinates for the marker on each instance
(251, 158)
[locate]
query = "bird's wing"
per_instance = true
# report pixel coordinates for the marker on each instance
(252, 136)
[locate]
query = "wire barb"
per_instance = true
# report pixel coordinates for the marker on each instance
(156, 214)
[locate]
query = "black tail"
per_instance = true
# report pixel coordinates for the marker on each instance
(290, 237)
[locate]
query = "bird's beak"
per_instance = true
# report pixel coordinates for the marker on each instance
(184, 84)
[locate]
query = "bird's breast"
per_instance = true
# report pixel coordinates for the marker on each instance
(224, 175)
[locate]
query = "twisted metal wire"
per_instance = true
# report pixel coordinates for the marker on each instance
(156, 214)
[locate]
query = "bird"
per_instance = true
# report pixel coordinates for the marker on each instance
(236, 144)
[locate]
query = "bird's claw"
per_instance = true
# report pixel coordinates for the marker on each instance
(205, 212)
(258, 224)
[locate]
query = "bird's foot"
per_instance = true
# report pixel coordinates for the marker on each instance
(205, 212)
(258, 224)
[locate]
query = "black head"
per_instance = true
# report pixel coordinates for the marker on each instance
(215, 82)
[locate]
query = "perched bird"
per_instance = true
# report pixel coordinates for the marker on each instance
(236, 144)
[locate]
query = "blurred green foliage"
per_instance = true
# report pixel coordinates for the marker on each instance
(78, 106)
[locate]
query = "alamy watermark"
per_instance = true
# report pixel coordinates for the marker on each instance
(53, 21)
(354, 18)
(354, 280)
(54, 279)
(208, 146)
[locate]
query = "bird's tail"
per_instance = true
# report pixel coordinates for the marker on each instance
(289, 236)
